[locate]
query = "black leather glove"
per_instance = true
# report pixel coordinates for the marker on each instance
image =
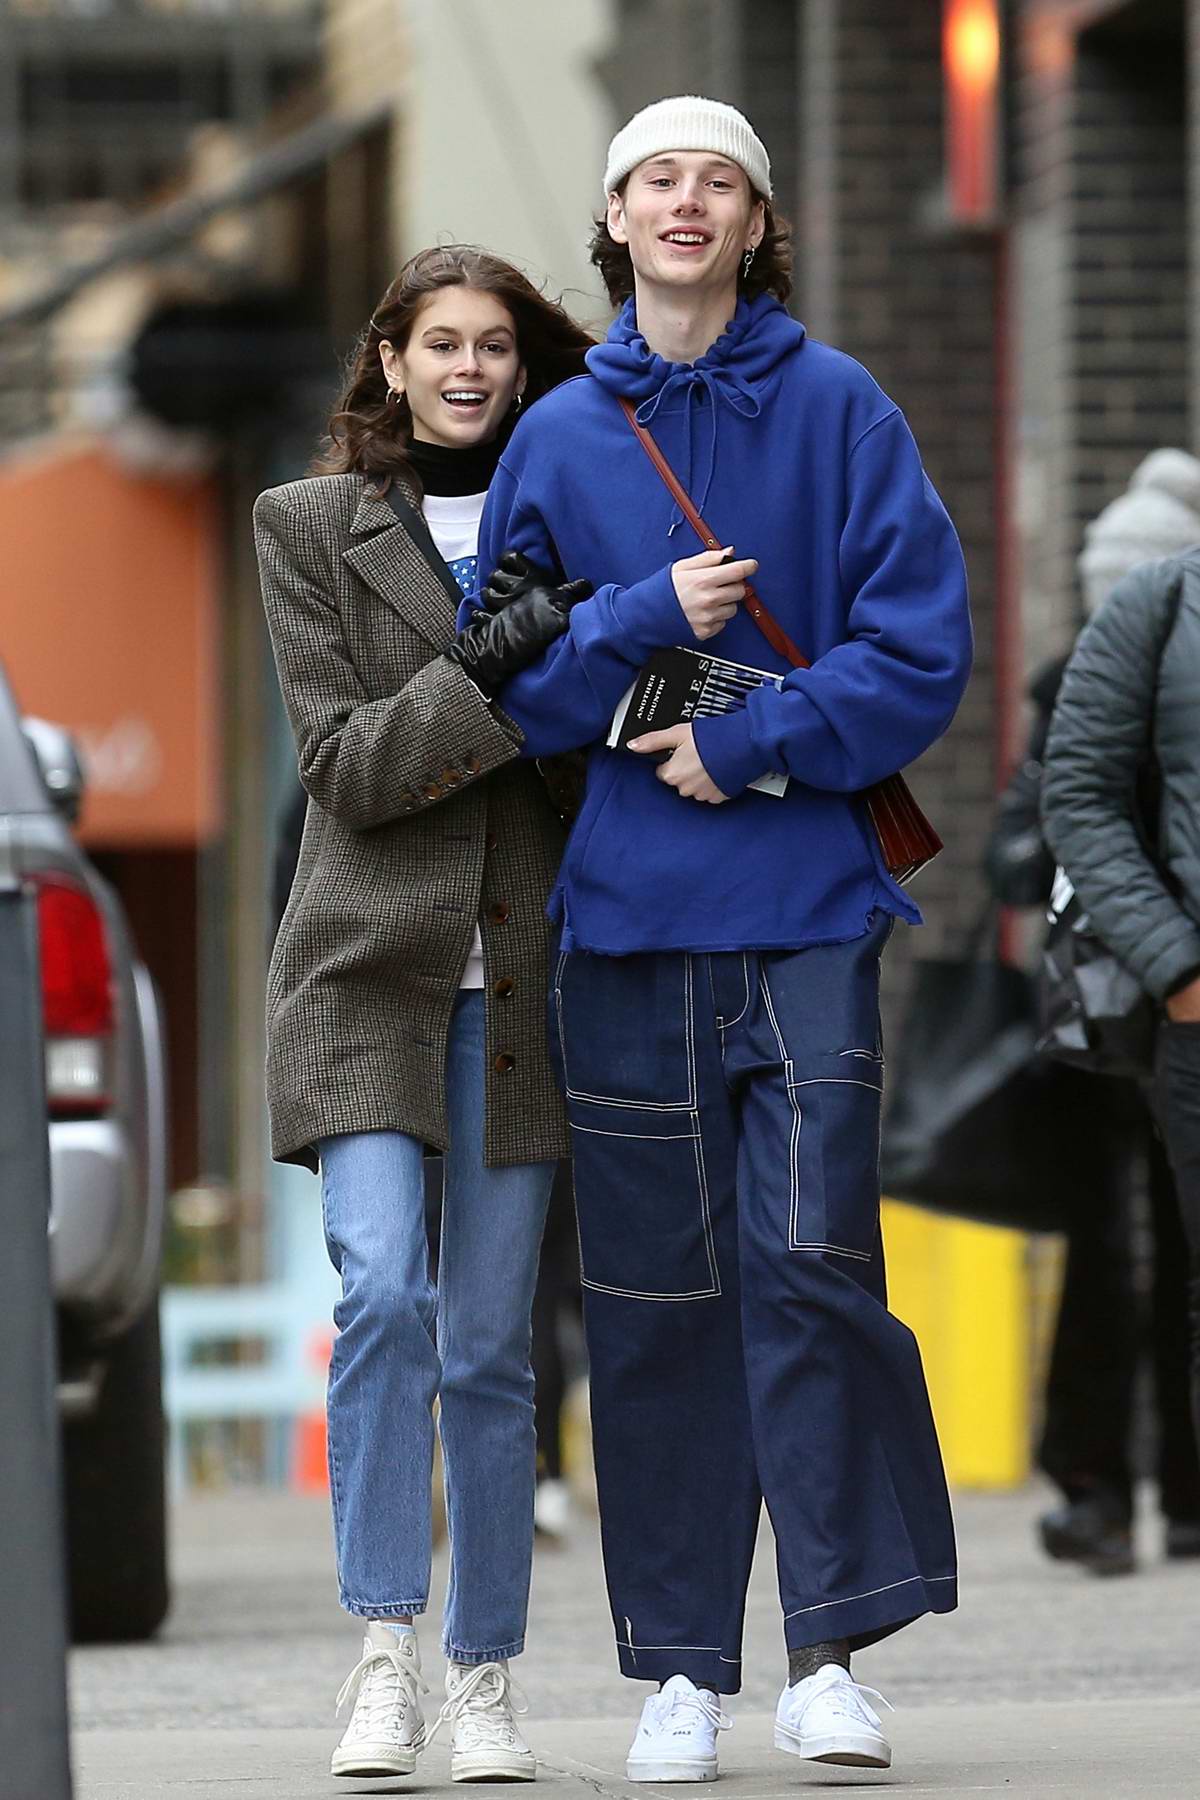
(496, 644)
(513, 575)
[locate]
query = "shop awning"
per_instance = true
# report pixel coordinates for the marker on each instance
(108, 625)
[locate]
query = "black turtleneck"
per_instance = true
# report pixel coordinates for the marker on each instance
(448, 472)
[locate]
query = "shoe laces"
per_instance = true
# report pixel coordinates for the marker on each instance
(381, 1683)
(703, 1702)
(847, 1698)
(483, 1704)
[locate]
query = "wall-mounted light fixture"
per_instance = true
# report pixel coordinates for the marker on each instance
(971, 77)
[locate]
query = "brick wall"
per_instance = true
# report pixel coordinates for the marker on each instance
(1128, 202)
(887, 281)
(1103, 282)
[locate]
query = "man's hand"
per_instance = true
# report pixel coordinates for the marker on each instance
(709, 588)
(683, 769)
(1183, 1008)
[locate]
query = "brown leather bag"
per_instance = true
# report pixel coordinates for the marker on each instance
(906, 838)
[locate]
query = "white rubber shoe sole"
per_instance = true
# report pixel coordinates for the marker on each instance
(493, 1765)
(368, 1759)
(691, 1768)
(852, 1749)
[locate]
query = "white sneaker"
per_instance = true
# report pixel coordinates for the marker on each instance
(827, 1718)
(676, 1739)
(387, 1728)
(552, 1508)
(485, 1744)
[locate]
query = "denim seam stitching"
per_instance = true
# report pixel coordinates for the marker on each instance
(797, 1120)
(600, 1287)
(836, 1081)
(746, 1002)
(370, 1609)
(848, 1600)
(648, 1137)
(834, 1250)
(705, 1210)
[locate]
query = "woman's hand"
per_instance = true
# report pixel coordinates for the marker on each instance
(495, 645)
(709, 588)
(514, 574)
(681, 768)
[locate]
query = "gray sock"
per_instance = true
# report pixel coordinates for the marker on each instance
(802, 1663)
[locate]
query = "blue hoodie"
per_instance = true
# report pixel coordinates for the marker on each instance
(793, 455)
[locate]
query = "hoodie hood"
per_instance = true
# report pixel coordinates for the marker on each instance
(731, 373)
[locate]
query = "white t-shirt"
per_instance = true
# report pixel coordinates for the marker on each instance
(453, 521)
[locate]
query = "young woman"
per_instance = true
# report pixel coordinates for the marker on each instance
(406, 1001)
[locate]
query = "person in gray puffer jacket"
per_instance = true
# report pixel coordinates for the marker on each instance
(1132, 689)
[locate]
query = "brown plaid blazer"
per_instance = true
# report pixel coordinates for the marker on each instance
(421, 820)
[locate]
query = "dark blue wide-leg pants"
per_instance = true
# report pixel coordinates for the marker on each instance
(725, 1118)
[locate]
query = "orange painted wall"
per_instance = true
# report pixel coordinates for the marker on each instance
(108, 625)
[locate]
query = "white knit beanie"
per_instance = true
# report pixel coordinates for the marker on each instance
(1157, 515)
(688, 122)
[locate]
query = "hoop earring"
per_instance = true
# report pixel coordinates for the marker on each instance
(518, 402)
(748, 262)
(394, 397)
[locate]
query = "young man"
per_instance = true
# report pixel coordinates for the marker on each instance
(716, 997)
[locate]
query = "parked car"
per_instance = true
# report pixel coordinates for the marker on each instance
(106, 1101)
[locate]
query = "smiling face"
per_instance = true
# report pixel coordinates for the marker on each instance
(460, 369)
(688, 218)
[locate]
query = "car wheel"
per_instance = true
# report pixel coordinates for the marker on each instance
(114, 1486)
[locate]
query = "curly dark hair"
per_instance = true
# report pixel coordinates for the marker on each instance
(367, 435)
(770, 272)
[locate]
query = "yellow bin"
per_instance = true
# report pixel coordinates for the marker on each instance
(964, 1290)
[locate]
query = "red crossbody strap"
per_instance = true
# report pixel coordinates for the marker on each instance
(770, 627)
(906, 838)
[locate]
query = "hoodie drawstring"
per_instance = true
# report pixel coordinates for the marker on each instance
(718, 383)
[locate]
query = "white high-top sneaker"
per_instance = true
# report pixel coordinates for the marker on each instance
(827, 1718)
(387, 1728)
(485, 1744)
(676, 1738)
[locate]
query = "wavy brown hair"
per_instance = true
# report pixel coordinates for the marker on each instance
(770, 272)
(369, 436)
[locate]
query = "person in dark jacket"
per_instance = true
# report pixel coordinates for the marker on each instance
(1087, 1439)
(407, 989)
(716, 996)
(1131, 692)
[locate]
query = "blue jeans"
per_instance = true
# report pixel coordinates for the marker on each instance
(725, 1118)
(402, 1342)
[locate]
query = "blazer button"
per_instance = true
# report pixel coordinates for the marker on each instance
(491, 841)
(504, 988)
(505, 1062)
(500, 913)
(450, 777)
(433, 791)
(472, 765)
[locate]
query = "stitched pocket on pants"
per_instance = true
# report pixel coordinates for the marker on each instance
(642, 1198)
(835, 1164)
(646, 1062)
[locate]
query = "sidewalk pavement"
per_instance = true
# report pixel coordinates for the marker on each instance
(1046, 1682)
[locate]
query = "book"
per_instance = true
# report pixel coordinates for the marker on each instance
(677, 686)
